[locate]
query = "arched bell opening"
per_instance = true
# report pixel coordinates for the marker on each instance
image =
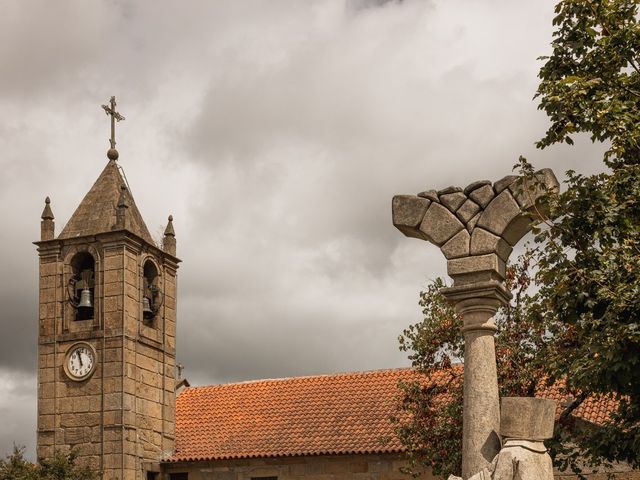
(81, 286)
(152, 297)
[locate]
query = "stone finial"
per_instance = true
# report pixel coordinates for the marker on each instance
(169, 231)
(169, 240)
(476, 227)
(47, 225)
(121, 212)
(47, 213)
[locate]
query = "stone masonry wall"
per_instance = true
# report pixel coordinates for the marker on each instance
(123, 417)
(70, 414)
(329, 467)
(321, 467)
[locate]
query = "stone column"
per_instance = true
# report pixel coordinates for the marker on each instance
(478, 303)
(476, 229)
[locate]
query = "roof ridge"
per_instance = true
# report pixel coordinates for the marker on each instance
(306, 377)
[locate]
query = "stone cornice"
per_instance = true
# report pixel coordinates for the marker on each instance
(109, 239)
(48, 248)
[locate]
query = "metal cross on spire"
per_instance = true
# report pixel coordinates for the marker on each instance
(110, 110)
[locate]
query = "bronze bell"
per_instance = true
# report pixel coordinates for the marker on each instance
(85, 299)
(146, 308)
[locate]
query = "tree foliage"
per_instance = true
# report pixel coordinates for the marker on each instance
(588, 260)
(578, 325)
(429, 419)
(60, 467)
(16, 467)
(591, 81)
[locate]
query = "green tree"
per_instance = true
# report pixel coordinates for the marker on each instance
(588, 260)
(64, 467)
(60, 467)
(591, 81)
(580, 325)
(16, 467)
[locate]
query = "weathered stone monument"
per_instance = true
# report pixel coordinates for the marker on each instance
(476, 229)
(524, 424)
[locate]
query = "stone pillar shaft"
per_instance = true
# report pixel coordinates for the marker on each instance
(478, 303)
(481, 417)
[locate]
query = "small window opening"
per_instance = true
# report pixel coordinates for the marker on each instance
(179, 476)
(152, 297)
(81, 287)
(153, 475)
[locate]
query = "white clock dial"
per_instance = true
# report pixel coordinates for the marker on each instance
(80, 362)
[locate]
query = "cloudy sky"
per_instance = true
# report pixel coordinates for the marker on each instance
(276, 133)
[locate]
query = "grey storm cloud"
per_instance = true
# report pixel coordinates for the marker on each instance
(276, 133)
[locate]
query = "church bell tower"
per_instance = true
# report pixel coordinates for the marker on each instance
(107, 332)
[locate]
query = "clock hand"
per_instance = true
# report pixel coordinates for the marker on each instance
(79, 358)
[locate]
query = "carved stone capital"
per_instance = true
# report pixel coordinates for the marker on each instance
(478, 303)
(476, 227)
(484, 294)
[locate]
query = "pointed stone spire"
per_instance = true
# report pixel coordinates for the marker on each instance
(47, 225)
(169, 241)
(47, 213)
(169, 231)
(121, 212)
(98, 211)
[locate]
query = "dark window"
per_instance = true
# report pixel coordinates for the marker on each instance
(151, 296)
(153, 475)
(81, 285)
(179, 476)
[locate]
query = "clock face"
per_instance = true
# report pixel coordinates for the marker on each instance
(80, 362)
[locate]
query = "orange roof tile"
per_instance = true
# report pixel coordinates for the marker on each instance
(325, 414)
(595, 409)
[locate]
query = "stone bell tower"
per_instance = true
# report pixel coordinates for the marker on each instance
(107, 332)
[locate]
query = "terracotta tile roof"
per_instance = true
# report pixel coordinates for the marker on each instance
(324, 414)
(596, 410)
(97, 211)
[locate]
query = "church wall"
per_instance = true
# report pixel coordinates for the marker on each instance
(82, 415)
(318, 467)
(332, 467)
